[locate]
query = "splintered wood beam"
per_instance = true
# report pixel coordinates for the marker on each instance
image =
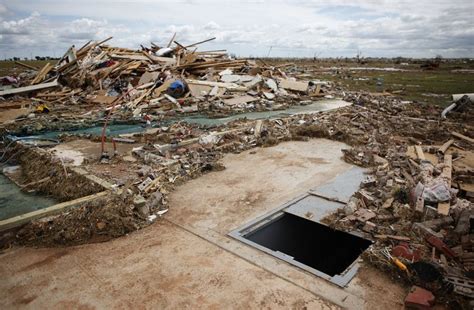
(448, 168)
(172, 39)
(26, 89)
(419, 152)
(445, 146)
(462, 137)
(200, 42)
(26, 66)
(42, 73)
(27, 217)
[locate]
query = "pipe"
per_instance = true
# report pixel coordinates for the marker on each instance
(107, 119)
(456, 97)
(447, 110)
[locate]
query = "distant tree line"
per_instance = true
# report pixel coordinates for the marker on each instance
(35, 58)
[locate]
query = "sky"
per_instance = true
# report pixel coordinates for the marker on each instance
(284, 28)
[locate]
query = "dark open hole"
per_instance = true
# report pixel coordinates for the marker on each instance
(315, 245)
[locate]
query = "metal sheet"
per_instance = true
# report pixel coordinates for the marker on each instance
(313, 208)
(341, 187)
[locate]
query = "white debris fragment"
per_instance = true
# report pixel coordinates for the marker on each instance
(270, 83)
(161, 212)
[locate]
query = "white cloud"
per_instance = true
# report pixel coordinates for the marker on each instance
(211, 26)
(294, 28)
(3, 9)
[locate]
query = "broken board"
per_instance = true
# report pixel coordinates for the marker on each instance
(240, 100)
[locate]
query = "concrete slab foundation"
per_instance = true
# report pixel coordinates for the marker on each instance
(186, 260)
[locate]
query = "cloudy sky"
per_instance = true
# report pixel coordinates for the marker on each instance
(329, 28)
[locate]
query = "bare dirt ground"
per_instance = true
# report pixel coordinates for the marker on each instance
(173, 264)
(160, 266)
(7, 115)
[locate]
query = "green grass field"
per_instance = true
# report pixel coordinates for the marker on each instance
(430, 86)
(11, 68)
(434, 86)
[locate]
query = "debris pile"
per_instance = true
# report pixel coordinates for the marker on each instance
(156, 81)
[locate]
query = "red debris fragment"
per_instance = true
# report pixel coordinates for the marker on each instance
(419, 298)
(404, 250)
(441, 246)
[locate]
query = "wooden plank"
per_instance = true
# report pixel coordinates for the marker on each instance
(172, 39)
(83, 47)
(102, 99)
(445, 146)
(447, 170)
(258, 128)
(200, 42)
(93, 178)
(196, 90)
(419, 152)
(462, 137)
(139, 57)
(230, 86)
(26, 89)
(203, 65)
(240, 100)
(393, 237)
(443, 208)
(103, 41)
(26, 65)
(167, 60)
(147, 56)
(42, 74)
(189, 58)
(27, 217)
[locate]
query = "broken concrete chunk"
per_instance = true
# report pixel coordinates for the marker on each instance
(351, 206)
(254, 82)
(155, 200)
(140, 205)
(388, 203)
(293, 85)
(214, 91)
(270, 83)
(230, 78)
(269, 96)
(209, 139)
